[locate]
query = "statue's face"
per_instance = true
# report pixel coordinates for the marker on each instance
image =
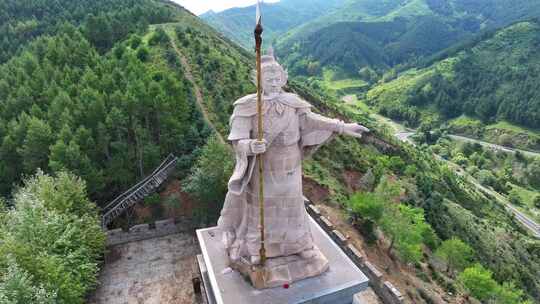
(273, 80)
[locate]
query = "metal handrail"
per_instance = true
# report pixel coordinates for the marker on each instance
(119, 204)
(120, 197)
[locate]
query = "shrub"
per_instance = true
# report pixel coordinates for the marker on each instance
(54, 237)
(159, 37)
(537, 201)
(208, 180)
(153, 199)
(455, 253)
(143, 54)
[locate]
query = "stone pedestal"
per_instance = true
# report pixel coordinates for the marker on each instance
(282, 270)
(226, 286)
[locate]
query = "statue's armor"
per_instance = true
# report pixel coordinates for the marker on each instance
(291, 131)
(283, 201)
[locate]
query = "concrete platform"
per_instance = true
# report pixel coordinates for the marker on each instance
(152, 271)
(336, 286)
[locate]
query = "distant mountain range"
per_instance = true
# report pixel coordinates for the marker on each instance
(495, 78)
(279, 18)
(348, 35)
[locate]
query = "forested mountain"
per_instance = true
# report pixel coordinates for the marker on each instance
(238, 23)
(450, 205)
(105, 22)
(97, 89)
(107, 101)
(108, 116)
(493, 79)
(387, 33)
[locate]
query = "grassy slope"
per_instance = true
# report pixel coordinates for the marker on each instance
(527, 197)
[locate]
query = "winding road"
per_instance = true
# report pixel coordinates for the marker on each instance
(520, 216)
(494, 146)
(404, 135)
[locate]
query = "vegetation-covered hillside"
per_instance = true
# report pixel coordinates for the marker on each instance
(395, 31)
(108, 118)
(106, 101)
(238, 23)
(427, 192)
(494, 79)
(96, 89)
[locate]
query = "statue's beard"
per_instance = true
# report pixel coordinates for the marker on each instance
(272, 91)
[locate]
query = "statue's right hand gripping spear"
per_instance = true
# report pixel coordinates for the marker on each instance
(258, 44)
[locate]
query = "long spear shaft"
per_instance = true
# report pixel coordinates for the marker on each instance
(258, 44)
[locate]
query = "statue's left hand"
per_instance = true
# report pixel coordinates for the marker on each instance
(355, 130)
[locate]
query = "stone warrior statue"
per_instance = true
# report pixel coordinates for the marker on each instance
(291, 132)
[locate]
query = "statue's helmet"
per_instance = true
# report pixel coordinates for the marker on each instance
(269, 64)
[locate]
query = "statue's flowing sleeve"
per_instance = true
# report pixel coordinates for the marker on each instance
(240, 131)
(232, 214)
(316, 130)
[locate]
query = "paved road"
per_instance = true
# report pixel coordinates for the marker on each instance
(495, 146)
(404, 135)
(520, 216)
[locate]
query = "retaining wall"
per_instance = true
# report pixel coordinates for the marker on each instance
(148, 231)
(384, 289)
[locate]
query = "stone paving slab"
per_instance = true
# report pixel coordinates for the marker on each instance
(152, 271)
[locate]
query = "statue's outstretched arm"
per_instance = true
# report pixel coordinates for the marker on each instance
(313, 121)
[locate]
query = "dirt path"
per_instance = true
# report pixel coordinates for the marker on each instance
(188, 72)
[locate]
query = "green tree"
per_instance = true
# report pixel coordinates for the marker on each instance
(368, 205)
(456, 254)
(405, 226)
(35, 148)
(209, 178)
(135, 41)
(368, 74)
(55, 237)
(16, 287)
(98, 31)
(508, 293)
(478, 282)
(486, 178)
(537, 201)
(514, 197)
(533, 172)
(143, 54)
(159, 37)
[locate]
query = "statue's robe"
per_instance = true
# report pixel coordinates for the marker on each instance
(292, 131)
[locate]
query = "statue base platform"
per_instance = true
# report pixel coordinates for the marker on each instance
(223, 285)
(282, 270)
